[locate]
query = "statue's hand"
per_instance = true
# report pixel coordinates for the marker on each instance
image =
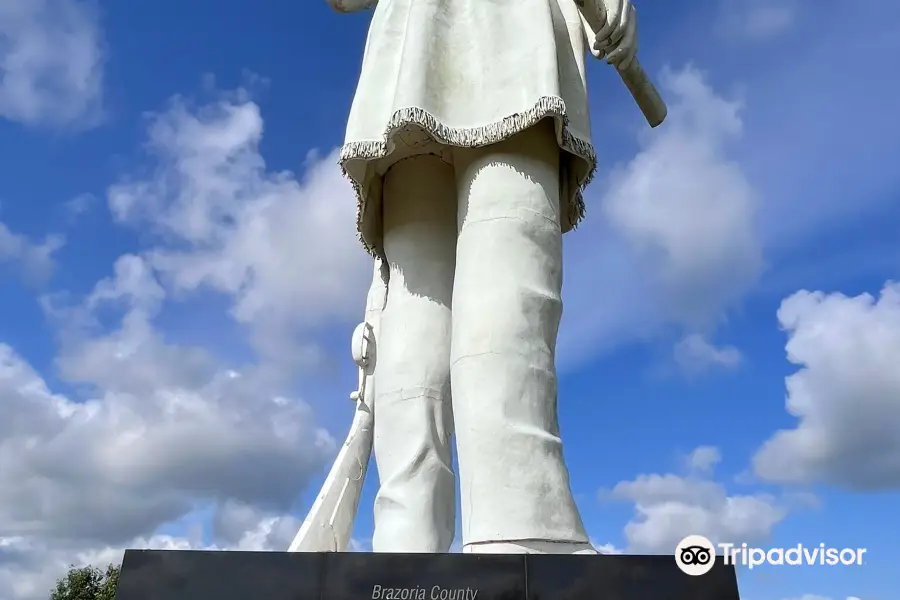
(617, 40)
(349, 6)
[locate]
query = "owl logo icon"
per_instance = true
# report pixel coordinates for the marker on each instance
(695, 555)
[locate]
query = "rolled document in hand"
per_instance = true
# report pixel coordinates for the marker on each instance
(642, 89)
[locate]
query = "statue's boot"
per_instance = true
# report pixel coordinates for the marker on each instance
(415, 504)
(514, 485)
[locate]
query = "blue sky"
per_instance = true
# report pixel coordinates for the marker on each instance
(179, 278)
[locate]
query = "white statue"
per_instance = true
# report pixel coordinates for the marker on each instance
(468, 145)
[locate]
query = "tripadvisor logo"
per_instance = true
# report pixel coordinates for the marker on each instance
(696, 555)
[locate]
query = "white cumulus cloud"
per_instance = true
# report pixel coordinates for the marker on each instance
(32, 259)
(284, 250)
(845, 395)
(674, 239)
(686, 208)
(29, 567)
(695, 354)
(157, 431)
(668, 507)
(757, 20)
(134, 435)
(51, 62)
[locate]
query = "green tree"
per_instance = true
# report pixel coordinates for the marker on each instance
(87, 583)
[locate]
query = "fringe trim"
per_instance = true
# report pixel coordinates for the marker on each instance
(472, 137)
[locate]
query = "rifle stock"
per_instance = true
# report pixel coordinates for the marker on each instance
(329, 524)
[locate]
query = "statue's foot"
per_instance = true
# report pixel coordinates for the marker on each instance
(529, 547)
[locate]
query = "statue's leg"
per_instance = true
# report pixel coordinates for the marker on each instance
(415, 505)
(506, 310)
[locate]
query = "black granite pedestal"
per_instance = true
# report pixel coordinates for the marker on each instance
(195, 575)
